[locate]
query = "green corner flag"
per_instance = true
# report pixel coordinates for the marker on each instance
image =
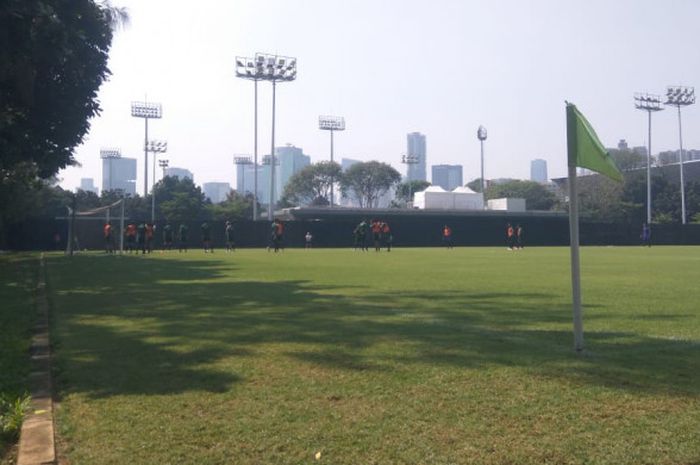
(584, 148)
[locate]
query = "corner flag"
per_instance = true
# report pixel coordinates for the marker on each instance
(585, 150)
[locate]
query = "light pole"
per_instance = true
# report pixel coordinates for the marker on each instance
(481, 135)
(146, 110)
(164, 165)
(155, 147)
(109, 154)
(680, 96)
(649, 103)
(410, 160)
(247, 68)
(274, 68)
(332, 124)
(241, 162)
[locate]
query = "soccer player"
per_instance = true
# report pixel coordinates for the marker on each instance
(167, 236)
(141, 237)
(206, 237)
(447, 236)
(519, 240)
(182, 236)
(278, 234)
(230, 245)
(646, 235)
(308, 238)
(149, 237)
(130, 237)
(376, 234)
(388, 237)
(107, 232)
(360, 234)
(510, 236)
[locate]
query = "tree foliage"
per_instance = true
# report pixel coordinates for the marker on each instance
(536, 196)
(475, 185)
(312, 185)
(366, 182)
(235, 207)
(406, 190)
(179, 199)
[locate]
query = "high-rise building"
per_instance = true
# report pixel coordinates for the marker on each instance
(216, 191)
(181, 173)
(88, 185)
(447, 176)
(416, 148)
(291, 161)
(538, 170)
(119, 174)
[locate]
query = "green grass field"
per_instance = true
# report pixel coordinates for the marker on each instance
(418, 356)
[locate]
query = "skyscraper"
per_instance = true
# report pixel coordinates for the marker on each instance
(181, 173)
(538, 170)
(216, 191)
(291, 161)
(88, 185)
(119, 174)
(447, 176)
(416, 148)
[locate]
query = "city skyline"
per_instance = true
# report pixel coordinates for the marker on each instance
(508, 66)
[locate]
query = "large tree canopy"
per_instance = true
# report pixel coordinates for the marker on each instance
(53, 59)
(312, 185)
(536, 196)
(367, 182)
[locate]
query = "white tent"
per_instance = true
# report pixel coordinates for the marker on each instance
(435, 197)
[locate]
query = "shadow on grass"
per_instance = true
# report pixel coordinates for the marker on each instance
(158, 328)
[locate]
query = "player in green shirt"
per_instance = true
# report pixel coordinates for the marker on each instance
(182, 236)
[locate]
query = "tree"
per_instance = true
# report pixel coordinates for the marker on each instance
(406, 190)
(179, 199)
(475, 185)
(628, 159)
(312, 185)
(235, 207)
(536, 196)
(368, 181)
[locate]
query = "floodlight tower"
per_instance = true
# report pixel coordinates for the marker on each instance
(332, 124)
(649, 103)
(155, 147)
(680, 96)
(146, 110)
(164, 165)
(275, 68)
(410, 160)
(248, 68)
(109, 154)
(481, 135)
(241, 162)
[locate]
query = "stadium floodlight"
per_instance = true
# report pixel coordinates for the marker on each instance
(266, 160)
(109, 154)
(332, 124)
(481, 135)
(164, 165)
(649, 103)
(410, 160)
(680, 96)
(241, 161)
(157, 146)
(146, 110)
(274, 68)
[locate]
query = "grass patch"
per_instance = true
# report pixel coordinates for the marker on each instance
(17, 314)
(417, 356)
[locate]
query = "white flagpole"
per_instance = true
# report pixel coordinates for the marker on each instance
(575, 263)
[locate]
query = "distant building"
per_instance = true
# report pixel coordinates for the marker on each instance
(346, 163)
(538, 170)
(216, 191)
(416, 148)
(291, 161)
(447, 176)
(672, 156)
(119, 174)
(181, 173)
(245, 179)
(88, 185)
(622, 145)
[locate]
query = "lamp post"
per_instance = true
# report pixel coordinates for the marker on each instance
(109, 154)
(146, 110)
(241, 162)
(164, 165)
(649, 103)
(155, 147)
(274, 68)
(680, 96)
(481, 135)
(410, 160)
(246, 68)
(332, 124)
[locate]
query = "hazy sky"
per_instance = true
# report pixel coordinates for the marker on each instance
(391, 67)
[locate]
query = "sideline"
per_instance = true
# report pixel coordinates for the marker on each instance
(36, 442)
